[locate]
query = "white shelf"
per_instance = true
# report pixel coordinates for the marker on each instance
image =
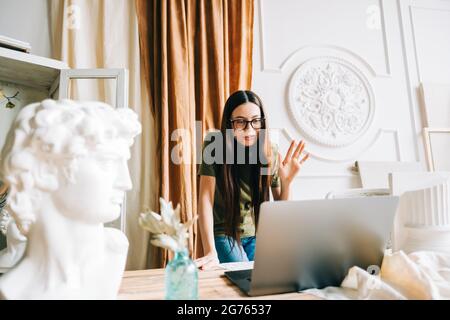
(29, 70)
(7, 42)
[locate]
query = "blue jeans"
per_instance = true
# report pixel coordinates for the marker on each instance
(229, 251)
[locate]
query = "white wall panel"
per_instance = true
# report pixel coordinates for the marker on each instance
(385, 47)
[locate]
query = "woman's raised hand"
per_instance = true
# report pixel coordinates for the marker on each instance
(290, 166)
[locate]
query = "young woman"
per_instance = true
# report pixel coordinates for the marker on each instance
(231, 192)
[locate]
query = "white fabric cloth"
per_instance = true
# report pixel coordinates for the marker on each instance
(418, 275)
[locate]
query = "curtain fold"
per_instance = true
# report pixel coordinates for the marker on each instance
(104, 34)
(194, 53)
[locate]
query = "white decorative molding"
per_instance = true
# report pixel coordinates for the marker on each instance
(331, 101)
(324, 175)
(413, 105)
(281, 67)
(313, 175)
(397, 142)
(408, 29)
(261, 36)
(353, 157)
(385, 42)
(355, 56)
(416, 53)
(413, 30)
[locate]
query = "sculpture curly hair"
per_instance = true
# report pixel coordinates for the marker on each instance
(44, 141)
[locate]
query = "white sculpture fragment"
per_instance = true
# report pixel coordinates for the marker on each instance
(66, 165)
(16, 242)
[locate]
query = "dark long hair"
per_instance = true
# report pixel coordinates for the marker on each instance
(259, 183)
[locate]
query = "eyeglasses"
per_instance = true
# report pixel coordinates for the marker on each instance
(241, 124)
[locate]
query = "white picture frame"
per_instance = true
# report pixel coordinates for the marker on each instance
(438, 153)
(436, 104)
(121, 77)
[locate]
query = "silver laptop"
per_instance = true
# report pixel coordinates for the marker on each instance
(313, 243)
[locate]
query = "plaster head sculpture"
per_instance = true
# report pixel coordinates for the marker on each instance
(66, 166)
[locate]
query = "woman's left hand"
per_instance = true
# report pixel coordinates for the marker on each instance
(292, 163)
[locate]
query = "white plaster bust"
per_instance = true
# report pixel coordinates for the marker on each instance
(66, 166)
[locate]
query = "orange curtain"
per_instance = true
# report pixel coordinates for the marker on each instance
(195, 53)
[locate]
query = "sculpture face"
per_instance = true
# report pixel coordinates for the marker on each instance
(98, 190)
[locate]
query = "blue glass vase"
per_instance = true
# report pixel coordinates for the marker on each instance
(181, 278)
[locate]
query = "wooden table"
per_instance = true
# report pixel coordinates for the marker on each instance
(149, 285)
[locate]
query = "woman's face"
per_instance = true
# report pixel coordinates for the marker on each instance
(246, 133)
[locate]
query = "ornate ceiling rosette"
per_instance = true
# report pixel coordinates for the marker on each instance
(331, 100)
